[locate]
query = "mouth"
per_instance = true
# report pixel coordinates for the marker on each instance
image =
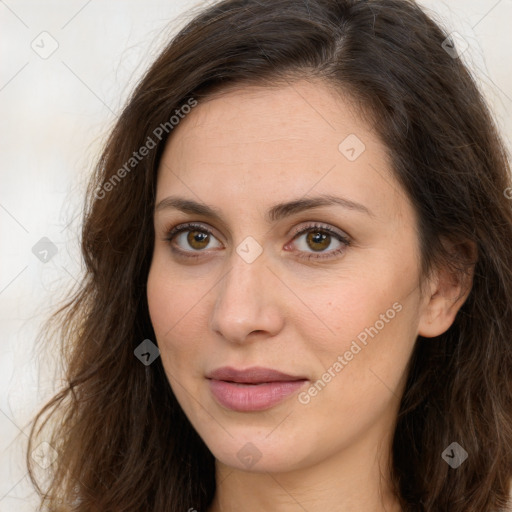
(253, 389)
(253, 375)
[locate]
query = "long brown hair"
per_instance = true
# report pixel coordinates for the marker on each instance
(122, 440)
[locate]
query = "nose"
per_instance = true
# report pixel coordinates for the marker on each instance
(247, 304)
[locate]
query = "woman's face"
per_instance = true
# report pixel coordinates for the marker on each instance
(274, 180)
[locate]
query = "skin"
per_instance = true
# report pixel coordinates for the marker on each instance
(241, 152)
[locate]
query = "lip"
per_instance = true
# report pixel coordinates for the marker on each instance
(252, 389)
(252, 375)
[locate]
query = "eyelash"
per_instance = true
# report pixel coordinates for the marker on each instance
(172, 233)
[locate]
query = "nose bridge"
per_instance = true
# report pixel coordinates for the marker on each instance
(241, 283)
(244, 301)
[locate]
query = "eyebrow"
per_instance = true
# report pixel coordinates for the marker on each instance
(274, 214)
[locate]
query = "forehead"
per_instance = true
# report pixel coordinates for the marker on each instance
(303, 116)
(256, 142)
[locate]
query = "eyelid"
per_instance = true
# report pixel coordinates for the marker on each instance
(321, 226)
(341, 236)
(333, 254)
(171, 232)
(304, 226)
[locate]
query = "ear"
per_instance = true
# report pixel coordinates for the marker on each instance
(446, 291)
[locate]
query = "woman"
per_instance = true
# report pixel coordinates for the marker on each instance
(298, 287)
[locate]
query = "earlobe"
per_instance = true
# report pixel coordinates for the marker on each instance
(446, 293)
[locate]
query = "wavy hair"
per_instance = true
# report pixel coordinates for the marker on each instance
(123, 442)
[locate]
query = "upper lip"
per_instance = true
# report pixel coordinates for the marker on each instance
(253, 375)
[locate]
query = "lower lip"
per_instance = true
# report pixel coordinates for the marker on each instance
(252, 397)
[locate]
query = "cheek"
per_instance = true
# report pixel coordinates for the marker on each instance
(161, 301)
(345, 310)
(370, 321)
(358, 384)
(172, 309)
(363, 367)
(172, 300)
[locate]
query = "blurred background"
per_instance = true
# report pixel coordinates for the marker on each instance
(66, 71)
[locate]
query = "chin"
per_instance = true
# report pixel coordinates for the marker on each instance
(259, 454)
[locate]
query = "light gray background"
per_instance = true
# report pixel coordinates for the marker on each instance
(56, 112)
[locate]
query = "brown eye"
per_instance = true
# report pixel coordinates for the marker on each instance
(198, 239)
(191, 238)
(317, 240)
